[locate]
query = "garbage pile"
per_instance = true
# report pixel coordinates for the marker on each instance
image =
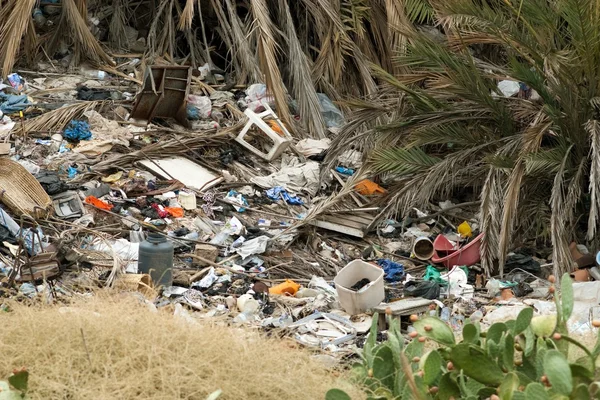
(203, 200)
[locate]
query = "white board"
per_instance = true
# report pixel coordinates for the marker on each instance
(189, 173)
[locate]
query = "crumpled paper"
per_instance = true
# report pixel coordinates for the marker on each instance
(254, 246)
(312, 147)
(294, 176)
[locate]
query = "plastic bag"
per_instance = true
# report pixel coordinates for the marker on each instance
(427, 290)
(331, 114)
(98, 203)
(394, 272)
(433, 274)
(199, 107)
(277, 193)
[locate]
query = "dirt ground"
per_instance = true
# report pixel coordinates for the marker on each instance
(118, 348)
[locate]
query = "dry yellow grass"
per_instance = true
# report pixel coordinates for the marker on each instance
(133, 353)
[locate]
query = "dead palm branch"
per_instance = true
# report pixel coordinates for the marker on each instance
(267, 49)
(15, 19)
(73, 25)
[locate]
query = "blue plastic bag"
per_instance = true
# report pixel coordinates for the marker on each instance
(78, 130)
(394, 272)
(278, 192)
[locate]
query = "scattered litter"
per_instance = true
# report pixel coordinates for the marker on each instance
(77, 130)
(278, 193)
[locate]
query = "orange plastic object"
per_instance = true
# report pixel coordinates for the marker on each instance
(368, 188)
(175, 212)
(98, 203)
(275, 126)
(288, 287)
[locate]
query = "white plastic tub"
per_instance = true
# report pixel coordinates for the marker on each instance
(356, 302)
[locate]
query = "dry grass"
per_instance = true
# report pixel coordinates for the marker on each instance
(135, 353)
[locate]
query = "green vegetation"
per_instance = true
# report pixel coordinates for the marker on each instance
(526, 358)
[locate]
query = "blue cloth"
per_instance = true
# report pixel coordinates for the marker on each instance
(279, 192)
(11, 103)
(394, 272)
(78, 130)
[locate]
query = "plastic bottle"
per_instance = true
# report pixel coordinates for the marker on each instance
(93, 73)
(445, 314)
(156, 258)
(38, 17)
(476, 316)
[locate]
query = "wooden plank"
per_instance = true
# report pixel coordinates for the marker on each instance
(343, 222)
(405, 307)
(366, 220)
(339, 228)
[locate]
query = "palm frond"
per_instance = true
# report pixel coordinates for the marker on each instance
(546, 162)
(511, 203)
(302, 85)
(593, 129)
(57, 120)
(14, 23)
(187, 16)
(117, 33)
(489, 212)
(561, 256)
(419, 11)
(267, 55)
(241, 46)
(354, 14)
(402, 161)
(73, 23)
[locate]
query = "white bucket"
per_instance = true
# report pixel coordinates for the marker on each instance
(357, 302)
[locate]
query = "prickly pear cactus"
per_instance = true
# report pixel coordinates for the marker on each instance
(16, 387)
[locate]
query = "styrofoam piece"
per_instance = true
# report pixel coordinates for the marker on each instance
(280, 144)
(357, 302)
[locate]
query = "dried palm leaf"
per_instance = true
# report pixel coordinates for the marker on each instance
(153, 47)
(491, 200)
(593, 129)
(511, 202)
(72, 22)
(15, 19)
(116, 30)
(187, 16)
(396, 22)
(302, 86)
(243, 48)
(57, 120)
(169, 147)
(31, 43)
(267, 55)
(204, 40)
(561, 256)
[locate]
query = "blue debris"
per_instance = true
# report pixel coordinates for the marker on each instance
(72, 172)
(11, 103)
(278, 192)
(78, 130)
(394, 272)
(238, 200)
(192, 113)
(345, 171)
